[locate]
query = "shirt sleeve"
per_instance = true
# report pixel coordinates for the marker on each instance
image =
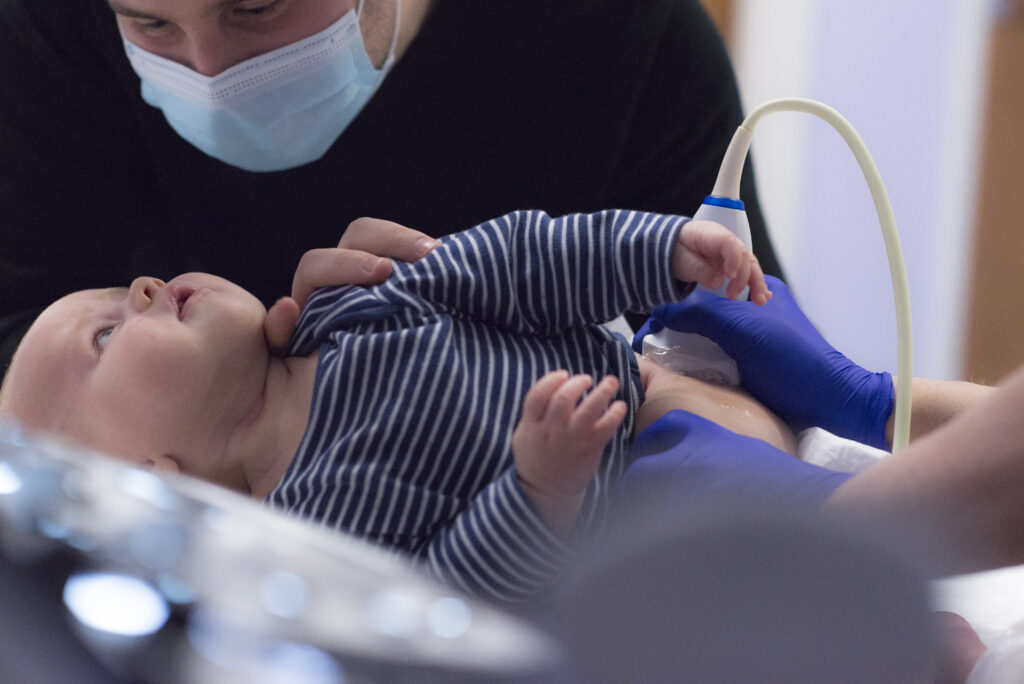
(498, 548)
(532, 273)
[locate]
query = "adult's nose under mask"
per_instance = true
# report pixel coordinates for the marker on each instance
(276, 111)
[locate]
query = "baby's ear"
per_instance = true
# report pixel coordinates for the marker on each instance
(163, 463)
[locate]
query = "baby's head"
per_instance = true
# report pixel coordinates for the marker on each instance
(156, 372)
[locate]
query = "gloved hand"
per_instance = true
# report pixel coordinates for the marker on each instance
(786, 363)
(684, 455)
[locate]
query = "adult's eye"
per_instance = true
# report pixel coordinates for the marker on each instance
(150, 25)
(259, 8)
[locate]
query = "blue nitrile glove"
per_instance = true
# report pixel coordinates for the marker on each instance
(786, 363)
(684, 455)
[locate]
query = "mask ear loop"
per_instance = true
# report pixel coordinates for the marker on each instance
(394, 36)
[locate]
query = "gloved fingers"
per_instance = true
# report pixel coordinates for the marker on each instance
(776, 285)
(736, 325)
(784, 306)
(667, 432)
(705, 314)
(649, 327)
(782, 313)
(686, 456)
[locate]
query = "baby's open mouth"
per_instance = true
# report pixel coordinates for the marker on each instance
(181, 298)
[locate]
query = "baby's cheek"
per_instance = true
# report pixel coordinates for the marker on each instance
(122, 434)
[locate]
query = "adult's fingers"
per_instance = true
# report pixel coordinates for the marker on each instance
(280, 323)
(668, 432)
(386, 239)
(700, 312)
(362, 256)
(337, 266)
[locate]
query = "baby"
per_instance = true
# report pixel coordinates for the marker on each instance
(450, 413)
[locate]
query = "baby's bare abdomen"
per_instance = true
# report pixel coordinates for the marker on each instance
(730, 407)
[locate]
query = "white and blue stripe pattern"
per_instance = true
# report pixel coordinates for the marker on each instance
(421, 380)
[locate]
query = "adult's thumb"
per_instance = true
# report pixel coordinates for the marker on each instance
(703, 313)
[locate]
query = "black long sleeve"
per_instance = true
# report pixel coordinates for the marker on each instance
(568, 106)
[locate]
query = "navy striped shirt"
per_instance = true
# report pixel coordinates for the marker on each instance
(420, 383)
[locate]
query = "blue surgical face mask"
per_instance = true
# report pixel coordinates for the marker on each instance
(276, 111)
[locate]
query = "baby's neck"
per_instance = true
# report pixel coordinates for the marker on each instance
(271, 440)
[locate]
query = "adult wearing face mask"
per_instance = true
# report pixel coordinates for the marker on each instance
(163, 136)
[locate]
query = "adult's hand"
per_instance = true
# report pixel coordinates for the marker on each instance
(362, 257)
(687, 456)
(786, 363)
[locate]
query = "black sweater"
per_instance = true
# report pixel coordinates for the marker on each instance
(567, 106)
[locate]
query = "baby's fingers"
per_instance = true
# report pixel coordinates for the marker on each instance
(740, 277)
(594, 405)
(535, 404)
(607, 424)
(598, 416)
(564, 401)
(759, 292)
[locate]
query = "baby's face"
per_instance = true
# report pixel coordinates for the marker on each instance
(153, 369)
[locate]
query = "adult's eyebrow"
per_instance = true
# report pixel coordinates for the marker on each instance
(125, 11)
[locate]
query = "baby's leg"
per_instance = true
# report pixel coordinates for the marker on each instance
(731, 407)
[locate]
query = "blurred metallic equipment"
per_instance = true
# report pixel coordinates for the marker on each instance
(113, 572)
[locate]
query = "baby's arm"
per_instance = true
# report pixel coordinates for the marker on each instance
(532, 273)
(706, 252)
(558, 442)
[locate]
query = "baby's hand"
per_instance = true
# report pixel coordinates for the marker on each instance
(558, 442)
(707, 253)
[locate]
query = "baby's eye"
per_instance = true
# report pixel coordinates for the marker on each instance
(102, 337)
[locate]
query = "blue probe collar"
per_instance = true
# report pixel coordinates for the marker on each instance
(726, 202)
